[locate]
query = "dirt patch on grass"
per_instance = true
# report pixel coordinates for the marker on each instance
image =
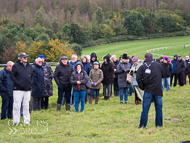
(172, 120)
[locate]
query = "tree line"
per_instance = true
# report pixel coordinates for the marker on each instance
(104, 26)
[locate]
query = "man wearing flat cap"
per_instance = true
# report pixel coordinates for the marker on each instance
(62, 77)
(22, 78)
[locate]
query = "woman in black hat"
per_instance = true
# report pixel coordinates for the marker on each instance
(122, 70)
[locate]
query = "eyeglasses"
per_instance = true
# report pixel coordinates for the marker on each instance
(40, 61)
(25, 57)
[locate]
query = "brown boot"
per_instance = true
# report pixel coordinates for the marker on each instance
(97, 99)
(58, 107)
(90, 100)
(139, 102)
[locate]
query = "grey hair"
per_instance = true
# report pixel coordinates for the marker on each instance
(187, 56)
(74, 55)
(36, 60)
(88, 57)
(10, 63)
(114, 56)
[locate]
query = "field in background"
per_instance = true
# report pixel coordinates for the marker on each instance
(139, 48)
(109, 121)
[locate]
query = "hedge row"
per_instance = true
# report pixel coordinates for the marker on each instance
(131, 38)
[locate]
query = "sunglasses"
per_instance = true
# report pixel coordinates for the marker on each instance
(25, 57)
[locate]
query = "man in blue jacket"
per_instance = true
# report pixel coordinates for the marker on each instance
(174, 61)
(38, 84)
(6, 91)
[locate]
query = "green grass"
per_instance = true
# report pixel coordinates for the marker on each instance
(139, 48)
(109, 121)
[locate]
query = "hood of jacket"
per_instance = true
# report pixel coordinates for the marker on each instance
(107, 58)
(78, 63)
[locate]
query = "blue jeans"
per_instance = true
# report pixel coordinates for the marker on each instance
(92, 92)
(147, 99)
(166, 81)
(116, 87)
(131, 90)
(123, 91)
(64, 89)
(7, 105)
(79, 95)
(71, 97)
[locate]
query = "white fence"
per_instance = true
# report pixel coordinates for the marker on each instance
(158, 49)
(185, 46)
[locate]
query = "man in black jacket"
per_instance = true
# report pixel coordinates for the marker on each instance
(149, 78)
(180, 68)
(62, 77)
(6, 91)
(22, 78)
(187, 70)
(38, 84)
(167, 67)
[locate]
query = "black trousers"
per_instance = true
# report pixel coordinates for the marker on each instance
(173, 75)
(36, 103)
(45, 102)
(181, 79)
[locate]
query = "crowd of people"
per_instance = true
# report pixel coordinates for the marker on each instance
(81, 81)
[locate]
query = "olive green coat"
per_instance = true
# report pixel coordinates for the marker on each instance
(96, 75)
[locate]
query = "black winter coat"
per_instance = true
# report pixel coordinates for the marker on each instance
(6, 84)
(22, 76)
(151, 83)
(48, 76)
(167, 70)
(82, 77)
(180, 66)
(187, 69)
(63, 73)
(38, 81)
(108, 71)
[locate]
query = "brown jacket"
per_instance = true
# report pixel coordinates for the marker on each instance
(96, 75)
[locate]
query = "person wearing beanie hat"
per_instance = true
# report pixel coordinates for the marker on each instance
(167, 67)
(62, 77)
(96, 77)
(174, 74)
(149, 79)
(108, 70)
(41, 56)
(48, 85)
(180, 68)
(122, 69)
(137, 91)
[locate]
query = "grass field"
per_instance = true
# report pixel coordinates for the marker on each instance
(109, 121)
(139, 48)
